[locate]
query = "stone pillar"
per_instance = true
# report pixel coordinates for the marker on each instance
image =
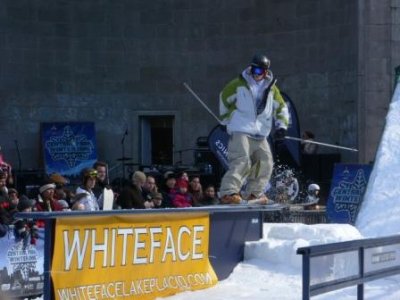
(396, 75)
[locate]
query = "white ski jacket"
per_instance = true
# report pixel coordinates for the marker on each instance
(88, 199)
(238, 107)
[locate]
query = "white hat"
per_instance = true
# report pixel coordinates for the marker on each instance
(46, 187)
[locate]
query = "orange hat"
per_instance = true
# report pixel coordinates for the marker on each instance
(58, 179)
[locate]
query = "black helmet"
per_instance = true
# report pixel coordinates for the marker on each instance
(261, 61)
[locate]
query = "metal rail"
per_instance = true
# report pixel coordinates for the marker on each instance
(377, 258)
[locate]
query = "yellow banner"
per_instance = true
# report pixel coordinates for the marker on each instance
(131, 256)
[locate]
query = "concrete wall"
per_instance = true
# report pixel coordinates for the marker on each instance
(379, 54)
(105, 61)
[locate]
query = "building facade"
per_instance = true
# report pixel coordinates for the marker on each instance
(122, 65)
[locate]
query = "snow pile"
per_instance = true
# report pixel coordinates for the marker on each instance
(271, 268)
(282, 240)
(380, 210)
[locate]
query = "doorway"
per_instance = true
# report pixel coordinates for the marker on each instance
(157, 140)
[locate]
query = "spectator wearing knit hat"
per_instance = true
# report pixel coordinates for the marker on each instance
(169, 189)
(157, 199)
(46, 200)
(182, 197)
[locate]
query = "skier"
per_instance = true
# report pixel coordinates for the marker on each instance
(248, 106)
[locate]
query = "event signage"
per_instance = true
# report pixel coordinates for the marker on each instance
(347, 190)
(68, 147)
(131, 257)
(382, 257)
(21, 265)
(218, 143)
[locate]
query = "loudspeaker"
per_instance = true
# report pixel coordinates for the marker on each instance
(202, 141)
(28, 181)
(204, 157)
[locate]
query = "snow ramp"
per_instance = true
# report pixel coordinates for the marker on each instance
(380, 211)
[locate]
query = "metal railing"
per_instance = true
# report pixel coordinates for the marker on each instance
(348, 264)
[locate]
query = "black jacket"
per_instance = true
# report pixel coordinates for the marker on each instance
(131, 197)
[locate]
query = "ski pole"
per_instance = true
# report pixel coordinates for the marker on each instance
(201, 102)
(319, 143)
(287, 137)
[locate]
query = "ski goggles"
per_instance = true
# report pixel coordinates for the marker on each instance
(257, 70)
(93, 174)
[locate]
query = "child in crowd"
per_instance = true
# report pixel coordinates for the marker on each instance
(182, 197)
(157, 199)
(183, 176)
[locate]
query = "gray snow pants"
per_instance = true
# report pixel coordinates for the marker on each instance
(249, 159)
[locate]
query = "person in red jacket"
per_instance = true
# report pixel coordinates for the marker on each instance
(46, 201)
(182, 198)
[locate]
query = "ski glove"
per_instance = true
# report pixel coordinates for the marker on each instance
(280, 134)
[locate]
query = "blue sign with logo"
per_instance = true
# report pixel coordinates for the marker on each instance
(68, 147)
(21, 266)
(347, 190)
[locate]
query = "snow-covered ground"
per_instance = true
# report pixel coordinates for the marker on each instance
(272, 269)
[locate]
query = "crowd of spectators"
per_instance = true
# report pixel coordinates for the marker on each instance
(172, 190)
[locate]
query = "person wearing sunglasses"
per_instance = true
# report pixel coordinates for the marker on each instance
(250, 106)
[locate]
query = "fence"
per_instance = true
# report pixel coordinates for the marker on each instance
(334, 266)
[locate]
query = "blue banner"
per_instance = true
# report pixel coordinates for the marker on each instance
(218, 143)
(21, 266)
(348, 186)
(68, 147)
